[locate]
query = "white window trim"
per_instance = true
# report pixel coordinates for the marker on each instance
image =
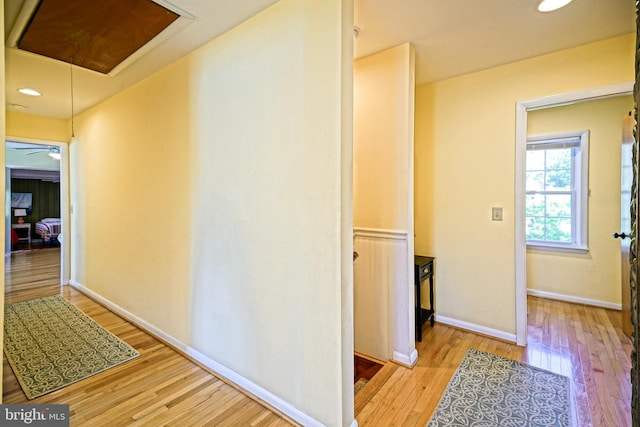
(581, 244)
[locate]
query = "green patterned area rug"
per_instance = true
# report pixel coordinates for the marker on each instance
(488, 390)
(50, 344)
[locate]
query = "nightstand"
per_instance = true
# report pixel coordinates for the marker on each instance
(423, 271)
(24, 226)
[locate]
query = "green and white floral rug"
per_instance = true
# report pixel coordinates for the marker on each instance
(489, 390)
(50, 344)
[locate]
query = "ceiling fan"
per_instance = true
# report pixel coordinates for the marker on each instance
(53, 151)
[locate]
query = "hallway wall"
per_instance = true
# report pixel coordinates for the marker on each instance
(208, 203)
(465, 165)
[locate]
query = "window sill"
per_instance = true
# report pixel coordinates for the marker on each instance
(550, 247)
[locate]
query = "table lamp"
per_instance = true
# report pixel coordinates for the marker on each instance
(20, 213)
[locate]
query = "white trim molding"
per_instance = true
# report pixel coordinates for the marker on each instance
(380, 233)
(574, 299)
(217, 368)
(619, 89)
(479, 329)
(404, 360)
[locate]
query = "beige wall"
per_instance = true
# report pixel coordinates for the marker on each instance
(383, 101)
(596, 274)
(35, 127)
(384, 88)
(465, 149)
(232, 156)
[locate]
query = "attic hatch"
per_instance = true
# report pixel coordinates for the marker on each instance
(97, 35)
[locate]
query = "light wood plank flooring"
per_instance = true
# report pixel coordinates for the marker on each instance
(163, 388)
(584, 343)
(158, 388)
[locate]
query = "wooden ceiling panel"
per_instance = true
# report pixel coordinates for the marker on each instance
(97, 35)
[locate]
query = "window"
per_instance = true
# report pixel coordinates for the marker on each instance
(557, 191)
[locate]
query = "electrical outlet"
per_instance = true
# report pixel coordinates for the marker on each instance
(496, 214)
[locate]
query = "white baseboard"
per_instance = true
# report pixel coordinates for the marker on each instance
(250, 387)
(577, 300)
(408, 361)
(483, 330)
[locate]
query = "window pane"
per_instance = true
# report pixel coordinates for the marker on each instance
(535, 228)
(558, 180)
(535, 181)
(558, 158)
(535, 160)
(559, 230)
(535, 205)
(559, 205)
(553, 196)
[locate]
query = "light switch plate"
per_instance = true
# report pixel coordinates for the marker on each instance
(496, 214)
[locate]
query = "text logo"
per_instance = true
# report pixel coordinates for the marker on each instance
(34, 415)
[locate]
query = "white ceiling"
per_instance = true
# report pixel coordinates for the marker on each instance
(211, 18)
(455, 37)
(451, 37)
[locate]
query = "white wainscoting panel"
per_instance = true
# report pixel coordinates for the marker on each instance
(380, 269)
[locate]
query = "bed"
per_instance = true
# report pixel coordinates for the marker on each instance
(48, 229)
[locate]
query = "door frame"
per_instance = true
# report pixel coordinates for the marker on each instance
(64, 199)
(620, 89)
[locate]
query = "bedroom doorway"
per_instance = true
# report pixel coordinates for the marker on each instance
(37, 199)
(601, 241)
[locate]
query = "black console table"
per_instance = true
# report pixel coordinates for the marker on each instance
(423, 266)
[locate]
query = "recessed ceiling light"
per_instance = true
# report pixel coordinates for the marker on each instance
(551, 5)
(29, 91)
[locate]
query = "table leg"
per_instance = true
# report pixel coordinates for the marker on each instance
(433, 308)
(418, 313)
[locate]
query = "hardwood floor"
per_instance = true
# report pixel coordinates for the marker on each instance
(31, 275)
(584, 343)
(158, 388)
(163, 388)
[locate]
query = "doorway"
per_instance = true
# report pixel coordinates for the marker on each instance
(39, 161)
(523, 108)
